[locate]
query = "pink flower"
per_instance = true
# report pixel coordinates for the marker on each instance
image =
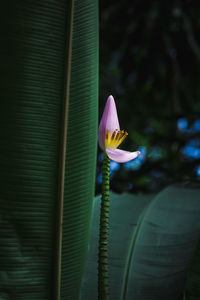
(110, 135)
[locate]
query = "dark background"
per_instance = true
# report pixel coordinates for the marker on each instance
(150, 63)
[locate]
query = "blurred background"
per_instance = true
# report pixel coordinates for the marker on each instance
(150, 63)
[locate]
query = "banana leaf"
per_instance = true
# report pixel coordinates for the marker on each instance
(48, 115)
(165, 245)
(152, 242)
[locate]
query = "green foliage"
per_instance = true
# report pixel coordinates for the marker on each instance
(34, 63)
(81, 145)
(152, 242)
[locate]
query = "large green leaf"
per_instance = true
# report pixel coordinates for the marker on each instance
(36, 64)
(165, 245)
(81, 146)
(152, 242)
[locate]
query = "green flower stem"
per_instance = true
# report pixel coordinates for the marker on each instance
(103, 233)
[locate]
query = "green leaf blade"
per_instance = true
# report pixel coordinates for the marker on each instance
(154, 263)
(81, 146)
(33, 56)
(165, 245)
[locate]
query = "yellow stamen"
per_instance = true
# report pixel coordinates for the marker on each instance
(114, 140)
(117, 136)
(122, 138)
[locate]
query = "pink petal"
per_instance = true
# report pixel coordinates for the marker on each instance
(109, 120)
(121, 156)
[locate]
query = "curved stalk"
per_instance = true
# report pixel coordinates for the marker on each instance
(103, 287)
